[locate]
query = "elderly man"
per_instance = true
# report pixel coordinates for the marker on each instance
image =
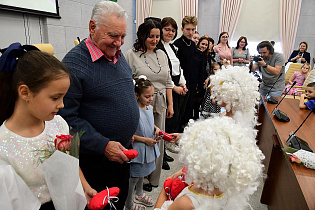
(101, 100)
(271, 64)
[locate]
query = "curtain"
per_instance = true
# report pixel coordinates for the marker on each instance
(230, 12)
(290, 13)
(143, 10)
(188, 7)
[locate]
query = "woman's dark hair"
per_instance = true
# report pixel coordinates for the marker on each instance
(221, 34)
(265, 44)
(142, 84)
(169, 21)
(143, 33)
(239, 40)
(305, 44)
(34, 69)
(198, 46)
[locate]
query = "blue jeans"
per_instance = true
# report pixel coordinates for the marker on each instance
(272, 93)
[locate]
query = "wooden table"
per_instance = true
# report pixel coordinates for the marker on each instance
(288, 186)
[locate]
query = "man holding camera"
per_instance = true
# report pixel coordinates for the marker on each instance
(271, 64)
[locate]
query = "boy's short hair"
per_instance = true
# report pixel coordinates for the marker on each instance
(311, 84)
(189, 20)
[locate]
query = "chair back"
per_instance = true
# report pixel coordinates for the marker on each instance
(48, 48)
(291, 69)
(310, 78)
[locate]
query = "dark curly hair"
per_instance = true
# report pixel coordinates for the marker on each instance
(143, 33)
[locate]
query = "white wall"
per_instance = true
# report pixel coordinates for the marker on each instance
(167, 8)
(61, 33)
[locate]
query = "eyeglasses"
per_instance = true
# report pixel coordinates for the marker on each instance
(169, 30)
(243, 42)
(224, 37)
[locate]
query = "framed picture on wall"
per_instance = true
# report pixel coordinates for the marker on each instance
(47, 8)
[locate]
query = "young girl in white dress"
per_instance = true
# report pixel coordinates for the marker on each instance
(33, 85)
(145, 144)
(223, 166)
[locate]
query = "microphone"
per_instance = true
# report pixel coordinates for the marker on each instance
(296, 142)
(271, 99)
(280, 115)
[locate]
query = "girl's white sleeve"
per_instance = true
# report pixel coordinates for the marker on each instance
(14, 193)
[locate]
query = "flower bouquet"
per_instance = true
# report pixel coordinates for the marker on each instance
(301, 157)
(65, 143)
(60, 164)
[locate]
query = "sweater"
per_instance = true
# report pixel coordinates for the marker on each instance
(100, 101)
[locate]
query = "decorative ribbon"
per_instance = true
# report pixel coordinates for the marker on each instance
(10, 56)
(109, 200)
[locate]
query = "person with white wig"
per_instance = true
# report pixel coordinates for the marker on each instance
(223, 164)
(237, 90)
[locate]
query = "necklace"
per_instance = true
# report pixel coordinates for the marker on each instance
(188, 45)
(146, 62)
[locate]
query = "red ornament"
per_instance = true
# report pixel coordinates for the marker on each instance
(98, 202)
(173, 187)
(165, 136)
(131, 153)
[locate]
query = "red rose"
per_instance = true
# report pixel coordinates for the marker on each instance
(294, 159)
(63, 142)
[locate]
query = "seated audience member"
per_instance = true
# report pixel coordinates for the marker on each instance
(240, 52)
(298, 77)
(271, 65)
(223, 166)
(310, 95)
(223, 48)
(195, 37)
(300, 55)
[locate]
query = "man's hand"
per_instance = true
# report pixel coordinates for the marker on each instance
(262, 62)
(113, 152)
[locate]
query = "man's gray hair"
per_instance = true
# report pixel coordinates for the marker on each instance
(104, 8)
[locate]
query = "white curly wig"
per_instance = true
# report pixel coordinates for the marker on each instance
(219, 153)
(237, 88)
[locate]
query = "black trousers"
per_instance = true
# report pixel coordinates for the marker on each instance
(171, 124)
(101, 173)
(188, 113)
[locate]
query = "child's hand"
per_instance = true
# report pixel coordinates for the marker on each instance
(156, 133)
(89, 194)
(176, 137)
(150, 142)
(303, 95)
(177, 174)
